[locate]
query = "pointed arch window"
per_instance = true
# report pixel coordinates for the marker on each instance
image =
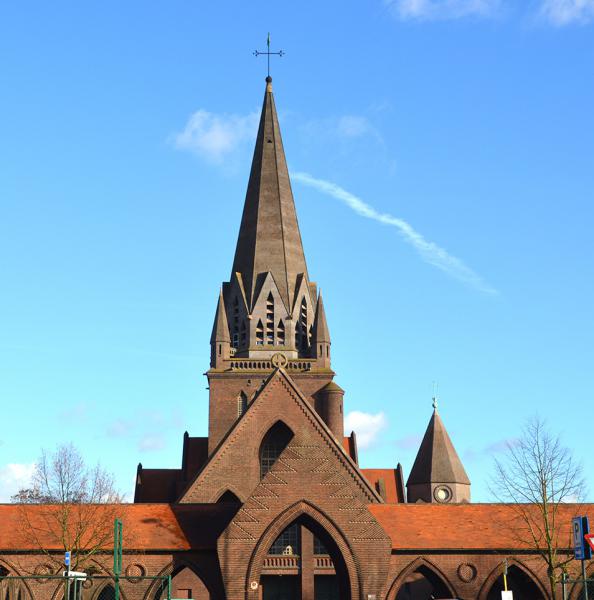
(270, 319)
(107, 593)
(288, 542)
(274, 442)
(235, 343)
(280, 333)
(259, 333)
(301, 332)
(228, 497)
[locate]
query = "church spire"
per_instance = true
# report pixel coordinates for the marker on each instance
(269, 238)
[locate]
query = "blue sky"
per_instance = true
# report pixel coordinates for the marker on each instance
(443, 155)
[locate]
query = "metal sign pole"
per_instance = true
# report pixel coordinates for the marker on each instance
(584, 580)
(117, 555)
(563, 585)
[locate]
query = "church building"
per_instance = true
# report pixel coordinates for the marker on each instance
(272, 504)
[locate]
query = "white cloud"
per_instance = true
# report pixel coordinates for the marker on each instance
(366, 426)
(430, 10)
(213, 137)
(151, 442)
(13, 477)
(429, 251)
(568, 12)
(353, 126)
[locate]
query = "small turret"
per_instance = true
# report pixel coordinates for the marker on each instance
(329, 406)
(437, 474)
(220, 342)
(321, 337)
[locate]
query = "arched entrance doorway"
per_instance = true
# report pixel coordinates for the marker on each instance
(185, 584)
(519, 582)
(423, 583)
(304, 563)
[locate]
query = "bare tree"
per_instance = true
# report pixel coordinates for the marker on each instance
(537, 476)
(77, 506)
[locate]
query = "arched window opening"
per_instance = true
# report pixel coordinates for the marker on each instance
(301, 538)
(319, 547)
(107, 593)
(270, 319)
(235, 322)
(274, 442)
(259, 334)
(243, 333)
(228, 498)
(185, 584)
(288, 542)
(241, 404)
(522, 585)
(301, 332)
(424, 583)
(280, 333)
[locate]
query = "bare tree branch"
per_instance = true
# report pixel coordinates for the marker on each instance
(536, 476)
(77, 506)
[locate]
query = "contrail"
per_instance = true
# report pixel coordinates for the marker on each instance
(429, 251)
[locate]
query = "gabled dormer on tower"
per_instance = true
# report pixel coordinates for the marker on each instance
(437, 474)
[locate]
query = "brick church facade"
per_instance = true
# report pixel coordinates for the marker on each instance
(272, 504)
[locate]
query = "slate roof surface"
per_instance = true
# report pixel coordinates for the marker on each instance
(437, 460)
(269, 238)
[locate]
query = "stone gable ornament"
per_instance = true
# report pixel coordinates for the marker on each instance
(279, 360)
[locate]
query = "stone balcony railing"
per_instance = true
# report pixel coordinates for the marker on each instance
(323, 562)
(293, 561)
(250, 364)
(282, 561)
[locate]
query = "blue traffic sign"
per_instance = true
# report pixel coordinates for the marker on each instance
(67, 558)
(581, 549)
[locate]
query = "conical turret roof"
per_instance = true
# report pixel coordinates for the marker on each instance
(269, 238)
(321, 333)
(437, 460)
(220, 328)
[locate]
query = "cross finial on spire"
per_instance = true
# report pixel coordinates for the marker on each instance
(268, 54)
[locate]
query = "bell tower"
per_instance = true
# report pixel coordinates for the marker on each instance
(269, 313)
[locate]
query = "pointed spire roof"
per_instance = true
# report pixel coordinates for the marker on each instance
(437, 460)
(269, 238)
(220, 329)
(321, 333)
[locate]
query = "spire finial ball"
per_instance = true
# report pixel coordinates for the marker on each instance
(268, 79)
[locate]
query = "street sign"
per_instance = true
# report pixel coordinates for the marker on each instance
(581, 527)
(589, 537)
(67, 558)
(75, 575)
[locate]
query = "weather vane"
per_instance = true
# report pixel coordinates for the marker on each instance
(268, 54)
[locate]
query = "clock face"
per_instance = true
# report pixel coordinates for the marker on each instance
(442, 493)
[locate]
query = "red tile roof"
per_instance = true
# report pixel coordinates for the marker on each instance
(417, 527)
(463, 526)
(146, 526)
(391, 481)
